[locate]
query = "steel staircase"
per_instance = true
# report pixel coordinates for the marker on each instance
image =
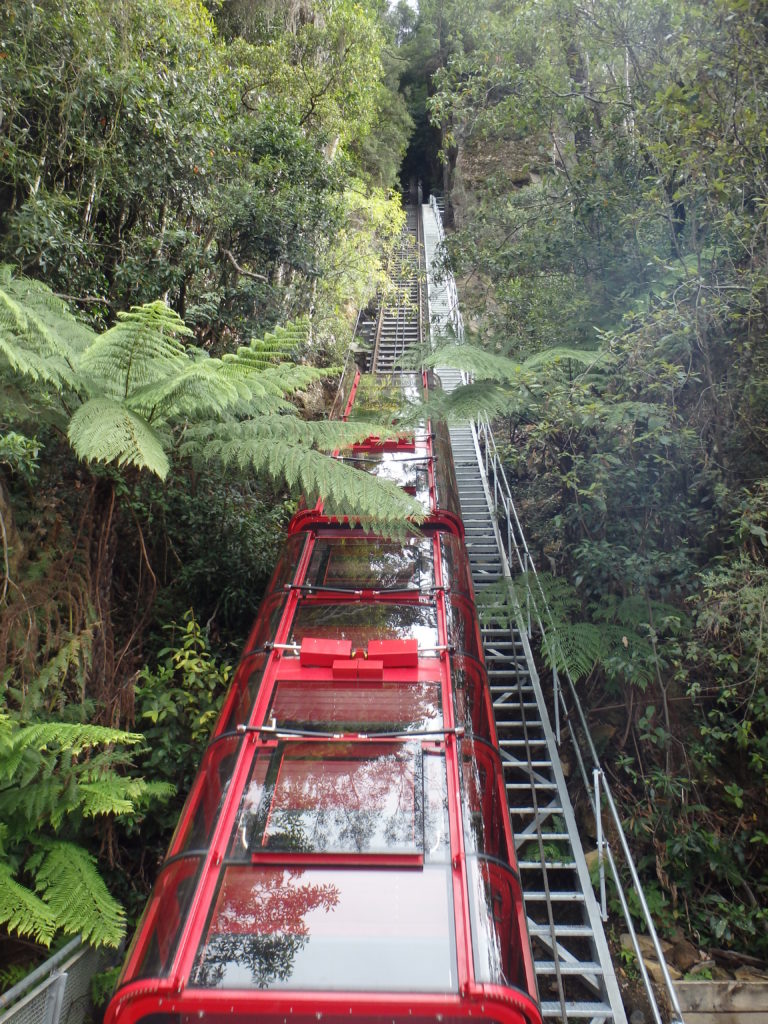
(399, 325)
(574, 971)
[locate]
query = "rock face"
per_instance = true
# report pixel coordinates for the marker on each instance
(723, 1002)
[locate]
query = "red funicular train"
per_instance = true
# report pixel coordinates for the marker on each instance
(346, 853)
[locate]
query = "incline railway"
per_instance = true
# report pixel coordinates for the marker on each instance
(347, 850)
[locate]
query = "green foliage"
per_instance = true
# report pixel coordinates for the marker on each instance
(177, 703)
(68, 882)
(611, 197)
(53, 776)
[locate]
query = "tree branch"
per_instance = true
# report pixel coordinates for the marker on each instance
(242, 270)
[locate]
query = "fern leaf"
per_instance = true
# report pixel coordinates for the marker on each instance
(141, 349)
(39, 338)
(345, 491)
(559, 354)
(22, 912)
(68, 882)
(474, 361)
(199, 389)
(113, 794)
(15, 739)
(104, 430)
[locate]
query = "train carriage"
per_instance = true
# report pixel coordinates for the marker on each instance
(346, 852)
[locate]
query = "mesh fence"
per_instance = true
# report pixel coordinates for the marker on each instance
(58, 992)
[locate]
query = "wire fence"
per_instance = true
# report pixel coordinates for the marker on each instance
(57, 992)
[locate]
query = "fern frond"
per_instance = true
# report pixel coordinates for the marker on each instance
(322, 434)
(474, 361)
(200, 389)
(104, 430)
(15, 739)
(39, 337)
(345, 491)
(576, 647)
(141, 349)
(280, 343)
(488, 398)
(22, 912)
(113, 794)
(67, 880)
(558, 354)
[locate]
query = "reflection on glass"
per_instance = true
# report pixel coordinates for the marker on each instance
(201, 811)
(330, 928)
(373, 565)
(456, 571)
(360, 706)
(406, 469)
(361, 622)
(498, 928)
(380, 398)
(334, 798)
(154, 944)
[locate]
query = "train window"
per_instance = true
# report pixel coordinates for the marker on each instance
(330, 928)
(408, 470)
(463, 630)
(310, 797)
(361, 622)
(350, 563)
(437, 841)
(381, 397)
(485, 811)
(242, 695)
(498, 924)
(456, 572)
(154, 945)
(472, 697)
(359, 706)
(287, 562)
(445, 478)
(201, 809)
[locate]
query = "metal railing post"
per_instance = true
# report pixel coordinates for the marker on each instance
(55, 997)
(556, 692)
(600, 841)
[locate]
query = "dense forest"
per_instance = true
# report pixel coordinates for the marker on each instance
(195, 202)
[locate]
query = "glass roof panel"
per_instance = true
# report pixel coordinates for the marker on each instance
(359, 706)
(333, 798)
(407, 469)
(362, 622)
(330, 929)
(353, 563)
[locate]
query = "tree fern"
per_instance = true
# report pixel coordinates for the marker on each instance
(474, 361)
(142, 348)
(104, 430)
(346, 491)
(39, 337)
(67, 880)
(115, 794)
(22, 912)
(200, 389)
(138, 382)
(46, 783)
